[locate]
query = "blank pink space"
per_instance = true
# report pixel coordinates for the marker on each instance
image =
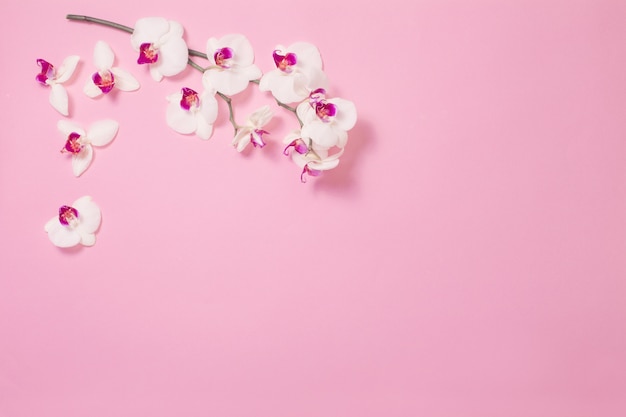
(467, 257)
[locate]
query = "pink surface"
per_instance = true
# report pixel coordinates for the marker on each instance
(467, 258)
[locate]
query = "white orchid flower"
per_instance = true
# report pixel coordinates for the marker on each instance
(307, 156)
(79, 143)
(75, 224)
(298, 71)
(326, 122)
(54, 78)
(107, 77)
(189, 113)
(252, 131)
(160, 44)
(232, 64)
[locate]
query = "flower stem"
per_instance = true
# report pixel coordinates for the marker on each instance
(283, 105)
(78, 17)
(231, 118)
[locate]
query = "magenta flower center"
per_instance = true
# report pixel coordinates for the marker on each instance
(256, 137)
(307, 170)
(284, 62)
(68, 216)
(104, 80)
(189, 100)
(73, 144)
(46, 73)
(148, 54)
(325, 111)
(298, 145)
(222, 57)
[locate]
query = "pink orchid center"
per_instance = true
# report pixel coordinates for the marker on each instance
(256, 137)
(325, 111)
(285, 62)
(46, 73)
(68, 216)
(189, 100)
(104, 80)
(307, 170)
(148, 54)
(222, 57)
(298, 145)
(317, 96)
(73, 144)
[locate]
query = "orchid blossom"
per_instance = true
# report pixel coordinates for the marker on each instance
(188, 112)
(232, 64)
(79, 142)
(312, 161)
(298, 71)
(54, 78)
(107, 76)
(252, 131)
(160, 44)
(326, 122)
(75, 224)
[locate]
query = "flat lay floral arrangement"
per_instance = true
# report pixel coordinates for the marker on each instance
(297, 84)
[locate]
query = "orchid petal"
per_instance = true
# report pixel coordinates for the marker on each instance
(182, 121)
(346, 113)
(322, 134)
(244, 54)
(124, 80)
(87, 239)
(204, 130)
(91, 89)
(67, 68)
(60, 235)
(66, 128)
(59, 99)
(155, 73)
(148, 30)
(173, 57)
(224, 81)
(208, 107)
(82, 160)
(89, 214)
(103, 56)
(102, 132)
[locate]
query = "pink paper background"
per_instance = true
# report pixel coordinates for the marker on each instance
(467, 258)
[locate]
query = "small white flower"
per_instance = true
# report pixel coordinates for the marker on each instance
(189, 113)
(75, 224)
(251, 132)
(54, 78)
(79, 142)
(298, 71)
(107, 77)
(232, 64)
(307, 156)
(160, 44)
(327, 122)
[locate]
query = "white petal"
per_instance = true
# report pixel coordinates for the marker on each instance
(286, 88)
(67, 68)
(124, 80)
(173, 56)
(82, 160)
(155, 73)
(307, 56)
(87, 239)
(204, 130)
(103, 56)
(102, 132)
(261, 117)
(243, 53)
(208, 107)
(346, 113)
(306, 113)
(321, 133)
(89, 214)
(243, 142)
(91, 89)
(66, 127)
(179, 119)
(148, 30)
(224, 81)
(60, 235)
(58, 99)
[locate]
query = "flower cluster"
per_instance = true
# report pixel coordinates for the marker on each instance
(297, 83)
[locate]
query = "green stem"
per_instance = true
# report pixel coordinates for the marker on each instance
(231, 118)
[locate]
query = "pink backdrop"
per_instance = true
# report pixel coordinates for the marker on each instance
(467, 258)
